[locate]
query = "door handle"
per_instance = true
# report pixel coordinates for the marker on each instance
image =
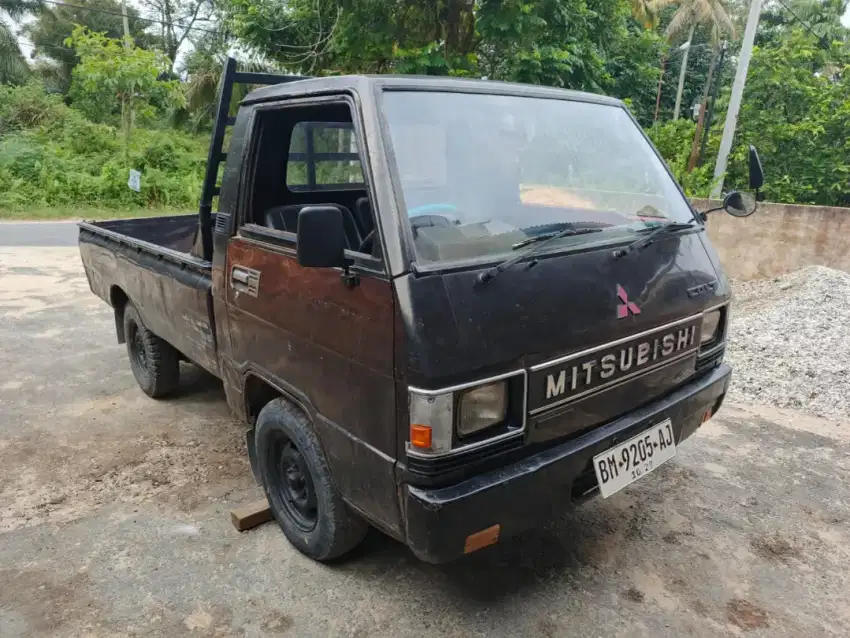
(245, 280)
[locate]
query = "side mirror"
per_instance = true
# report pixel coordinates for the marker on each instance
(756, 172)
(739, 204)
(321, 237)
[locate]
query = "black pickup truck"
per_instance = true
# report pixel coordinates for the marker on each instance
(442, 306)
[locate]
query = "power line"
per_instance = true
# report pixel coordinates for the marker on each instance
(119, 14)
(29, 43)
(188, 28)
(821, 38)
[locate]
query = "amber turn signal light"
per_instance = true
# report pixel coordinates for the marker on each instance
(420, 436)
(482, 539)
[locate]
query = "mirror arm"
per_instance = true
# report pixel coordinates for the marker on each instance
(710, 210)
(349, 279)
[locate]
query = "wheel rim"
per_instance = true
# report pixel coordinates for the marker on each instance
(140, 355)
(293, 485)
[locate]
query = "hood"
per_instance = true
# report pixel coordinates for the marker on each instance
(458, 329)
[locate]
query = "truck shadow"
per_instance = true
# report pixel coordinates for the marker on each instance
(195, 383)
(573, 546)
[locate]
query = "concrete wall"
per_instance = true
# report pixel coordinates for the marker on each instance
(780, 238)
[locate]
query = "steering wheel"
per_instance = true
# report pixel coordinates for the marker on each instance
(431, 209)
(429, 215)
(366, 245)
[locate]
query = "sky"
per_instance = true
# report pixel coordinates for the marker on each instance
(27, 48)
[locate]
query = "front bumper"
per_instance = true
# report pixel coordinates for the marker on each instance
(518, 496)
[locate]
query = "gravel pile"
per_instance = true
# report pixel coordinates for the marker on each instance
(790, 342)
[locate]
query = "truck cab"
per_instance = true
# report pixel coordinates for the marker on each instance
(443, 307)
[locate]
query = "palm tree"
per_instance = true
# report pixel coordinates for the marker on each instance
(691, 14)
(13, 66)
(202, 68)
(646, 12)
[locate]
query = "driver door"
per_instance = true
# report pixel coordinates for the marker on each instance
(322, 341)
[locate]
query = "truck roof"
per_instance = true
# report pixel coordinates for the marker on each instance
(363, 83)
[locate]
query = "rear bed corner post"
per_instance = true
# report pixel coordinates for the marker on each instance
(210, 188)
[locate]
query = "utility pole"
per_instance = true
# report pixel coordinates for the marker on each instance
(710, 115)
(692, 159)
(126, 24)
(737, 95)
(660, 84)
(127, 115)
(715, 53)
(682, 72)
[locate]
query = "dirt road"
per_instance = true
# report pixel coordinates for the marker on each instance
(114, 517)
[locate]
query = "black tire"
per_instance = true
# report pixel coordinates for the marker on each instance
(155, 364)
(299, 486)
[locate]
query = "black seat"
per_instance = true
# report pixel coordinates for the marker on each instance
(283, 217)
(286, 218)
(363, 215)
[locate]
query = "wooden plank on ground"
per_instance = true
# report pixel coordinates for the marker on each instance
(249, 516)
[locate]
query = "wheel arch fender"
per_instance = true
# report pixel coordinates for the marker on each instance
(258, 390)
(118, 299)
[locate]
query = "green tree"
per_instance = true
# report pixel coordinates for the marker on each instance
(175, 20)
(796, 110)
(53, 25)
(113, 77)
(579, 44)
(823, 16)
(633, 72)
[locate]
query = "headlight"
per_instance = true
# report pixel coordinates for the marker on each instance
(710, 327)
(482, 408)
(466, 416)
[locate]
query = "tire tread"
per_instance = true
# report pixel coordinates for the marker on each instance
(161, 378)
(338, 530)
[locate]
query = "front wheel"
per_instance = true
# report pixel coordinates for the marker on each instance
(299, 486)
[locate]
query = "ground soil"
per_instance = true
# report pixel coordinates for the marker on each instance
(114, 517)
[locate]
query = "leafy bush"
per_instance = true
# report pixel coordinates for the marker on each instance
(796, 111)
(673, 140)
(50, 155)
(23, 107)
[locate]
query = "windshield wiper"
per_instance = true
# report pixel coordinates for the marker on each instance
(540, 242)
(646, 240)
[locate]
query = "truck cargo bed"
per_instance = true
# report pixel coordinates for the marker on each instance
(149, 262)
(175, 232)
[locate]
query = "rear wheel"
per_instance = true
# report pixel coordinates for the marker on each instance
(155, 364)
(299, 487)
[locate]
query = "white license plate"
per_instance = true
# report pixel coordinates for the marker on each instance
(625, 463)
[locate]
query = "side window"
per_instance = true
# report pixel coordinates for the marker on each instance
(323, 156)
(306, 155)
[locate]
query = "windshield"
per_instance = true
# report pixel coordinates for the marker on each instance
(481, 173)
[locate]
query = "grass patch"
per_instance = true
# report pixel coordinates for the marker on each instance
(59, 213)
(55, 164)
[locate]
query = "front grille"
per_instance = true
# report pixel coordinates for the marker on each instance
(441, 465)
(566, 380)
(710, 361)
